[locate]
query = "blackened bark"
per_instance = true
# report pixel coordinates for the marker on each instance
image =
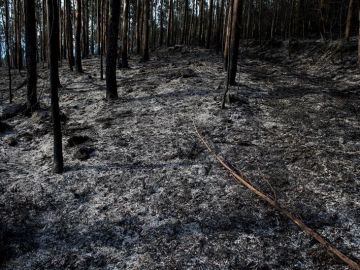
(124, 52)
(359, 35)
(209, 28)
(170, 24)
(69, 34)
(78, 38)
(218, 34)
(8, 48)
(145, 39)
(138, 25)
(30, 40)
(53, 31)
(202, 24)
(348, 20)
(234, 40)
(184, 27)
(161, 38)
(1, 49)
(111, 55)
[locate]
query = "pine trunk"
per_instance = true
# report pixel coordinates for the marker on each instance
(111, 55)
(234, 40)
(145, 39)
(170, 24)
(30, 42)
(124, 52)
(69, 34)
(138, 26)
(209, 28)
(8, 49)
(53, 30)
(161, 37)
(78, 38)
(348, 20)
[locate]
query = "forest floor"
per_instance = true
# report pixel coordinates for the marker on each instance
(141, 192)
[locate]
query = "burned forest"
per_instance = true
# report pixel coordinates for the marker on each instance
(179, 134)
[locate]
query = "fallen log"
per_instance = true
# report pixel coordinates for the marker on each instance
(248, 184)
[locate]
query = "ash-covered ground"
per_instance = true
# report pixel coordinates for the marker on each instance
(141, 192)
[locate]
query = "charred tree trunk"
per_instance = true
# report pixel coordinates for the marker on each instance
(53, 30)
(138, 26)
(233, 46)
(183, 34)
(359, 36)
(202, 25)
(145, 39)
(18, 33)
(161, 37)
(1, 51)
(45, 34)
(348, 20)
(209, 28)
(30, 42)
(85, 29)
(69, 34)
(227, 33)
(170, 24)
(78, 38)
(15, 53)
(8, 48)
(92, 44)
(124, 52)
(218, 36)
(234, 40)
(111, 55)
(99, 25)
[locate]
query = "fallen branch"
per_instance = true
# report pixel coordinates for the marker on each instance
(21, 85)
(248, 184)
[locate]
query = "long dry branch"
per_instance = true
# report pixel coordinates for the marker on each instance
(248, 184)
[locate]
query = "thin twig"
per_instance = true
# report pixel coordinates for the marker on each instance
(248, 184)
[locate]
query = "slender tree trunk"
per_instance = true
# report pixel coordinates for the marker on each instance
(1, 51)
(16, 36)
(260, 33)
(202, 24)
(234, 40)
(99, 24)
(102, 43)
(138, 26)
(20, 55)
(78, 38)
(8, 48)
(30, 40)
(170, 24)
(53, 30)
(45, 34)
(183, 33)
(227, 33)
(124, 53)
(348, 20)
(85, 29)
(192, 24)
(145, 50)
(92, 44)
(209, 28)
(69, 34)
(359, 35)
(64, 32)
(111, 55)
(322, 19)
(60, 31)
(161, 38)
(154, 25)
